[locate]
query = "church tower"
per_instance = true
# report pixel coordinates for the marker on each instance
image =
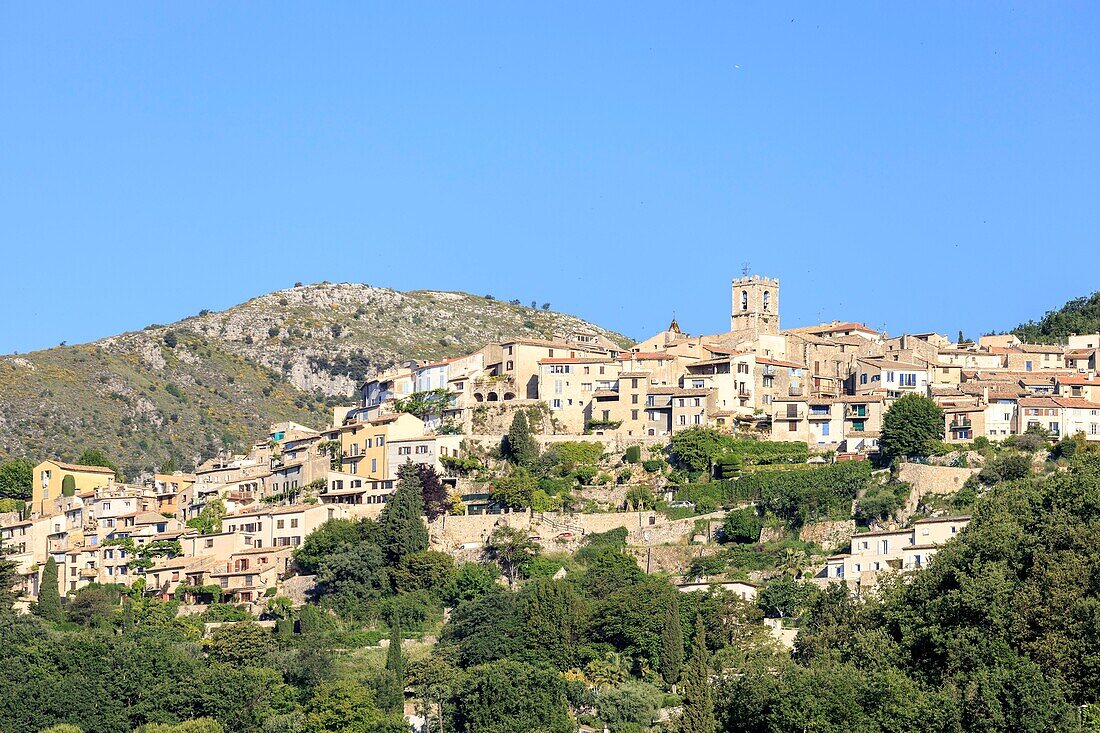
(755, 305)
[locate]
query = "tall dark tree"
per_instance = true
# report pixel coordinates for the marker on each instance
(698, 701)
(402, 530)
(433, 491)
(672, 643)
(391, 686)
(519, 445)
(911, 427)
(49, 597)
(555, 617)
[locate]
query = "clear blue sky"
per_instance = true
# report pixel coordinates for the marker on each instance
(917, 166)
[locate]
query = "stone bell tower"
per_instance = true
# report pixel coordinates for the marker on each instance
(755, 305)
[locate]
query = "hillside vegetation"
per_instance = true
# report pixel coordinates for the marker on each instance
(218, 379)
(1080, 315)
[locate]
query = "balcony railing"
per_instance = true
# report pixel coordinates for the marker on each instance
(769, 371)
(960, 424)
(855, 412)
(795, 390)
(787, 415)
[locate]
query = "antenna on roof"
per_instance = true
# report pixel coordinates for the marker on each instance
(745, 269)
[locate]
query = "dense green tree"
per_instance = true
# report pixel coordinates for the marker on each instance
(471, 580)
(555, 617)
(239, 643)
(698, 700)
(742, 525)
(9, 579)
(911, 427)
(16, 477)
(630, 706)
(672, 643)
(346, 707)
(511, 697)
(697, 448)
(519, 445)
(353, 578)
(401, 528)
(426, 404)
(49, 595)
(1080, 315)
(335, 535)
(68, 485)
(632, 619)
(784, 597)
(94, 606)
(427, 570)
(486, 628)
(516, 489)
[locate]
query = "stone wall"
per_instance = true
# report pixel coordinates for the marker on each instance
(927, 479)
(646, 528)
(831, 536)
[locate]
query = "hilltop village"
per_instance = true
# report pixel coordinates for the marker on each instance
(759, 462)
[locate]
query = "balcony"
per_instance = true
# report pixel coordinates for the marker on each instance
(769, 371)
(789, 415)
(858, 412)
(960, 424)
(795, 390)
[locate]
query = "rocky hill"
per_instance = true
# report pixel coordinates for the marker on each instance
(216, 380)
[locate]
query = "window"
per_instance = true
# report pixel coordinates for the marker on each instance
(767, 300)
(293, 523)
(825, 428)
(1027, 366)
(556, 404)
(279, 523)
(792, 426)
(683, 419)
(373, 466)
(634, 399)
(863, 379)
(587, 370)
(421, 449)
(405, 450)
(509, 365)
(634, 415)
(634, 383)
(744, 300)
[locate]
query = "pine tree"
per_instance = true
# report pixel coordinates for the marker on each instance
(672, 644)
(698, 702)
(520, 446)
(49, 597)
(402, 530)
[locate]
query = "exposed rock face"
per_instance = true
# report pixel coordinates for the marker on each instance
(216, 380)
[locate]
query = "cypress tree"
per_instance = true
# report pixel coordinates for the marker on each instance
(698, 702)
(68, 485)
(520, 446)
(403, 531)
(391, 685)
(49, 597)
(672, 644)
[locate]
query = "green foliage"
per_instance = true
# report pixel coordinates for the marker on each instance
(633, 454)
(1080, 315)
(696, 448)
(16, 477)
(170, 340)
(68, 485)
(805, 495)
(742, 526)
(1007, 466)
(572, 453)
(555, 618)
(511, 547)
(401, 527)
(911, 427)
(49, 596)
(785, 598)
(209, 520)
(653, 465)
(671, 658)
(519, 445)
(516, 489)
(238, 643)
(344, 706)
(508, 696)
(629, 706)
(882, 501)
(424, 404)
(96, 457)
(697, 715)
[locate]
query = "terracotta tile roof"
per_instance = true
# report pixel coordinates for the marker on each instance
(576, 360)
(1040, 348)
(83, 469)
(1075, 403)
(645, 356)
